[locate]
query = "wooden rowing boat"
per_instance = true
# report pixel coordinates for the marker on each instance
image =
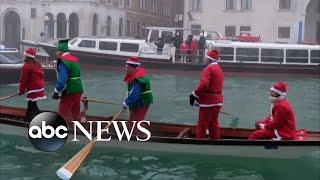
(178, 138)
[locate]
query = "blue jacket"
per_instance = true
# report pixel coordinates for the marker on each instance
(134, 94)
(62, 78)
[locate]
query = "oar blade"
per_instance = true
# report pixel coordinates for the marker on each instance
(64, 174)
(68, 169)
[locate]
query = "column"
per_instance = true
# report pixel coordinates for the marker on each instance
(55, 33)
(67, 22)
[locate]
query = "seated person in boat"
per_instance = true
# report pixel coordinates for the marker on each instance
(281, 123)
(139, 91)
(210, 98)
(69, 84)
(32, 83)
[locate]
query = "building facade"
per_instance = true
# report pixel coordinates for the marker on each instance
(59, 19)
(285, 21)
(143, 13)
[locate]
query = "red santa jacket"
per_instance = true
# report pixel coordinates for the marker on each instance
(32, 82)
(209, 90)
(282, 120)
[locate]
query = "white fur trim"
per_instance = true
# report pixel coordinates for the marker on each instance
(63, 173)
(277, 134)
(131, 62)
(213, 63)
(56, 91)
(262, 126)
(271, 107)
(125, 105)
(35, 90)
(28, 55)
(210, 105)
(278, 91)
(36, 99)
(194, 94)
(211, 58)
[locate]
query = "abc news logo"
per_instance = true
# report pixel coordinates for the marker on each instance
(48, 131)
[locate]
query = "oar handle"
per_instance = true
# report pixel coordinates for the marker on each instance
(114, 118)
(8, 97)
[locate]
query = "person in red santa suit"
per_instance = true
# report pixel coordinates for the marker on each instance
(32, 83)
(210, 98)
(281, 123)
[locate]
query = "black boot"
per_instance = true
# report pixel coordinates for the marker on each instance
(32, 111)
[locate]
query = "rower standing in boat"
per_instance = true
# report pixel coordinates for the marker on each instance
(210, 98)
(139, 91)
(281, 123)
(32, 83)
(69, 84)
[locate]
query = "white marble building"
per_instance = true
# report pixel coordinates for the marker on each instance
(25, 19)
(287, 21)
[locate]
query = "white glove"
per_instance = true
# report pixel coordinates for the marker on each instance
(124, 105)
(262, 126)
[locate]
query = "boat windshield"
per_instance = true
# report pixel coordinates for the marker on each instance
(10, 58)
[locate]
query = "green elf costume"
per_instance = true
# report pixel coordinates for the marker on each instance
(69, 84)
(139, 91)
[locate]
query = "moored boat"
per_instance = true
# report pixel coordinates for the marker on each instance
(11, 63)
(249, 58)
(178, 138)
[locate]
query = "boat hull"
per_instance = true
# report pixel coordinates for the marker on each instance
(99, 61)
(178, 138)
(10, 74)
(235, 148)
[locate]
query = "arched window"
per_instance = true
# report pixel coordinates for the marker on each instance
(73, 25)
(50, 25)
(120, 26)
(61, 26)
(108, 26)
(94, 25)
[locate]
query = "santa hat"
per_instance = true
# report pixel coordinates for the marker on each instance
(133, 61)
(213, 55)
(31, 52)
(280, 87)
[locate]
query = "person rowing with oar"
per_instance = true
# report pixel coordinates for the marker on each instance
(139, 91)
(32, 83)
(210, 98)
(69, 84)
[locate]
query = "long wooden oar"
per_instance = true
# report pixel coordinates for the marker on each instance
(69, 168)
(8, 97)
(99, 101)
(220, 111)
(234, 122)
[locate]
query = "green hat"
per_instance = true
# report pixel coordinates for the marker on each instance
(63, 45)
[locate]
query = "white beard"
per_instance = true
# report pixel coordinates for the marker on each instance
(274, 100)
